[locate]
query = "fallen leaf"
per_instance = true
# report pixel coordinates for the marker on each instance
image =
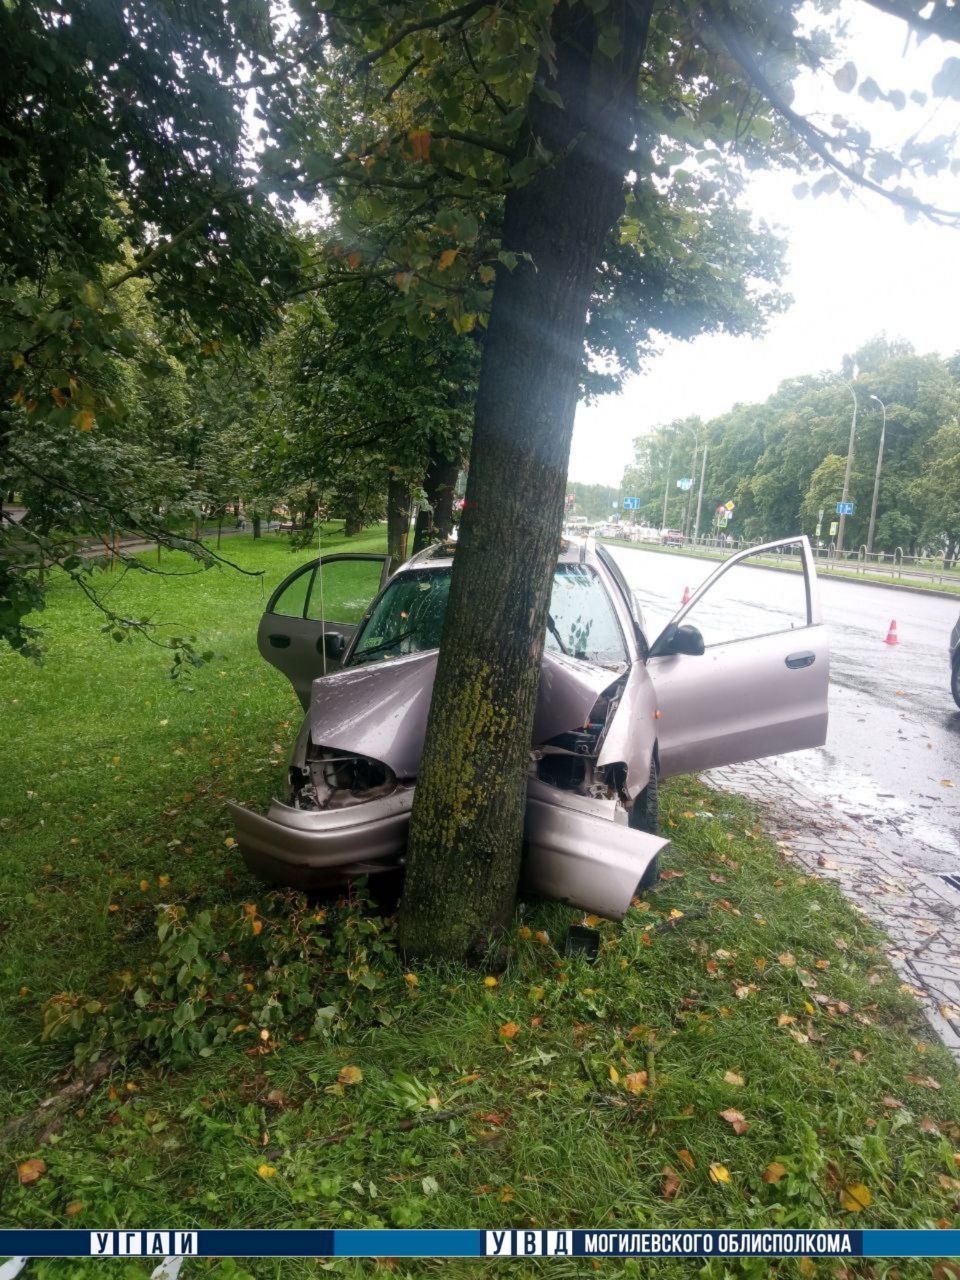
(926, 1082)
(733, 1077)
(785, 1019)
(509, 1030)
(73, 1208)
(774, 1172)
(614, 1075)
(635, 1081)
(31, 1171)
(927, 1125)
(855, 1197)
(506, 1195)
(686, 1158)
(787, 959)
(266, 1171)
(719, 1173)
(411, 979)
(524, 932)
(349, 1075)
(671, 1183)
(894, 1104)
(675, 914)
(736, 1120)
(489, 982)
(230, 842)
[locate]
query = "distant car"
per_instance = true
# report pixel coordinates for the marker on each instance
(671, 538)
(955, 663)
(614, 715)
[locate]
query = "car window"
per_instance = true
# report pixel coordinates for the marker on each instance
(293, 598)
(583, 621)
(408, 618)
(343, 591)
(747, 602)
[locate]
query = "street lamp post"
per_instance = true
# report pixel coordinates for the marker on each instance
(846, 477)
(703, 475)
(666, 490)
(876, 478)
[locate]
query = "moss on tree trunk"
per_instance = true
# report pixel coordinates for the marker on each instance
(467, 826)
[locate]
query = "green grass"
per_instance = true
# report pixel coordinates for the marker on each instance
(115, 775)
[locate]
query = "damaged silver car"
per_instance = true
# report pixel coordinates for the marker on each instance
(615, 714)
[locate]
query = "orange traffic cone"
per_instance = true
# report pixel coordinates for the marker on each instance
(686, 596)
(892, 633)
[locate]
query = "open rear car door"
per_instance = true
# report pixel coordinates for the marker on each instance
(742, 670)
(315, 612)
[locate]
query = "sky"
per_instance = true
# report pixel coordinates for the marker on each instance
(855, 269)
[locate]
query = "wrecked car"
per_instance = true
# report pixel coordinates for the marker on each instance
(615, 714)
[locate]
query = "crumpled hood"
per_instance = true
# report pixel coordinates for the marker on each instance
(380, 709)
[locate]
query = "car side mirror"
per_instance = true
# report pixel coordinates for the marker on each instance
(678, 639)
(333, 645)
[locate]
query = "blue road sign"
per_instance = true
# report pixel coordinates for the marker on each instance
(844, 508)
(631, 504)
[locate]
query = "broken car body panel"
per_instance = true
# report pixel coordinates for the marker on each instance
(380, 709)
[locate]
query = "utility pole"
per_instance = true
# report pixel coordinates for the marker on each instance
(876, 478)
(703, 476)
(693, 473)
(846, 477)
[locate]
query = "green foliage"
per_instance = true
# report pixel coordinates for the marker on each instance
(783, 461)
(234, 971)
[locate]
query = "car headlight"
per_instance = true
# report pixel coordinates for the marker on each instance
(332, 779)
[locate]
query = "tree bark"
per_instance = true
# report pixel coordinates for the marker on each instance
(466, 831)
(352, 524)
(434, 523)
(398, 519)
(256, 526)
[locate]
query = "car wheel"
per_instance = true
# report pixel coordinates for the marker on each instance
(955, 682)
(645, 811)
(645, 816)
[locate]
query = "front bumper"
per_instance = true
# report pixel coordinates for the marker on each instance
(575, 851)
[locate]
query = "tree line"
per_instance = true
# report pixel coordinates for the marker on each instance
(782, 462)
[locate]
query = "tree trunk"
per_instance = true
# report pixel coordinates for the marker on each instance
(256, 526)
(466, 832)
(435, 522)
(398, 519)
(352, 525)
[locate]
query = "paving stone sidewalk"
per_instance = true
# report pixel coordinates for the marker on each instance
(918, 910)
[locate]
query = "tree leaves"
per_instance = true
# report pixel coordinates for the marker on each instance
(856, 1197)
(846, 78)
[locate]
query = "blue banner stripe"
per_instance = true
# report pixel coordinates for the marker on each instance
(607, 1242)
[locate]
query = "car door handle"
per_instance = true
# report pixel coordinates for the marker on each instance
(795, 660)
(279, 642)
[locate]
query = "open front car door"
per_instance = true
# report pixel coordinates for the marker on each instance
(742, 670)
(314, 614)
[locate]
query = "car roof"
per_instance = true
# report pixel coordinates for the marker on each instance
(440, 555)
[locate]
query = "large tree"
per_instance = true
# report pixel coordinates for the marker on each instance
(584, 117)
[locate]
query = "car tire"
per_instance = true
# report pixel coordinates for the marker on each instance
(955, 681)
(645, 816)
(645, 810)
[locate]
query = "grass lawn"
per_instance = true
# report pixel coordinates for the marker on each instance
(282, 1067)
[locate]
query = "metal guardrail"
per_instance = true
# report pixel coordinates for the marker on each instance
(893, 566)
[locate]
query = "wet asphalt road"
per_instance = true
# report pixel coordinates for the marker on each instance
(892, 757)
